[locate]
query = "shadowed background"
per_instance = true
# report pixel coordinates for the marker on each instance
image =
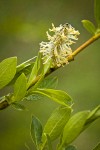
(23, 25)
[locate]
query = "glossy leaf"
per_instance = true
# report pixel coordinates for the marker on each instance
(56, 123)
(7, 70)
(97, 11)
(49, 83)
(20, 87)
(58, 96)
(34, 71)
(36, 131)
(74, 127)
(89, 26)
(97, 147)
(70, 147)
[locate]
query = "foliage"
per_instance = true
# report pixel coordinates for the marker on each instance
(30, 81)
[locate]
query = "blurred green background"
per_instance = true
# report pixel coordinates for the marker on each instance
(23, 25)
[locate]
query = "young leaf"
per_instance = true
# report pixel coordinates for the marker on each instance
(74, 127)
(20, 87)
(25, 64)
(26, 70)
(49, 83)
(70, 147)
(36, 131)
(93, 115)
(56, 123)
(7, 70)
(97, 11)
(60, 97)
(34, 71)
(89, 26)
(97, 147)
(46, 67)
(41, 77)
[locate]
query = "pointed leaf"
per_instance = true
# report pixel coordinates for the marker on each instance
(25, 64)
(34, 71)
(89, 26)
(20, 87)
(93, 115)
(97, 147)
(97, 11)
(60, 97)
(74, 126)
(56, 123)
(26, 70)
(7, 70)
(49, 83)
(36, 131)
(46, 67)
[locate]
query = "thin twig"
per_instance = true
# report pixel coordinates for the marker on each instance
(4, 103)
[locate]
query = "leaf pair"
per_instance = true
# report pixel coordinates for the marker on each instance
(52, 128)
(78, 123)
(60, 122)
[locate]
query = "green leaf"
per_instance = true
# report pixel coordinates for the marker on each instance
(25, 64)
(26, 70)
(34, 71)
(34, 97)
(70, 147)
(20, 87)
(97, 147)
(60, 97)
(49, 144)
(18, 106)
(36, 131)
(46, 67)
(93, 115)
(49, 83)
(89, 26)
(97, 11)
(56, 123)
(74, 127)
(7, 71)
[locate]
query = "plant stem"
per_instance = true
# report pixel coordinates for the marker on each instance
(4, 103)
(83, 46)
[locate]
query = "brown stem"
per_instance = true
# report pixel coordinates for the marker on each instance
(4, 103)
(83, 46)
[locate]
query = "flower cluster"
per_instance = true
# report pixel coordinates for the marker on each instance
(58, 48)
